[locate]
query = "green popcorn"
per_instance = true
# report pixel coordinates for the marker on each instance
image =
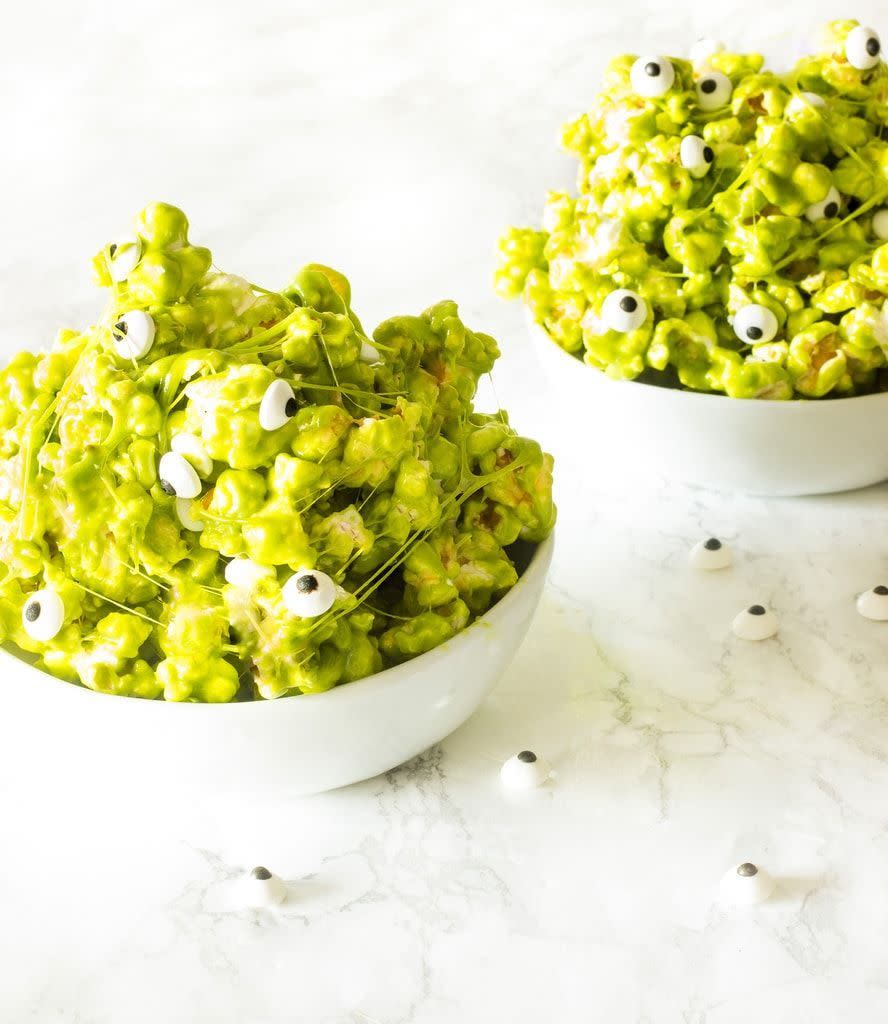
(521, 251)
(816, 360)
(424, 631)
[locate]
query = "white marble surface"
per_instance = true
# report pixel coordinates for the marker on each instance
(397, 139)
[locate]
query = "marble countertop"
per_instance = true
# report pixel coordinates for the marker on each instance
(397, 140)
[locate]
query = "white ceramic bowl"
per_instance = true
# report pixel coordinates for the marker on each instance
(727, 444)
(300, 745)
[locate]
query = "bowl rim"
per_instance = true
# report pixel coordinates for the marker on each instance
(369, 686)
(542, 335)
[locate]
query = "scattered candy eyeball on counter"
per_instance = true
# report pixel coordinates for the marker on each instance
(278, 405)
(755, 324)
(695, 155)
(880, 224)
(746, 885)
(863, 48)
(755, 623)
(623, 311)
(189, 521)
(873, 604)
(713, 90)
(245, 573)
(711, 554)
(43, 615)
(133, 334)
(123, 258)
(827, 208)
(177, 476)
(309, 593)
(261, 888)
(704, 50)
(525, 770)
(652, 76)
(369, 353)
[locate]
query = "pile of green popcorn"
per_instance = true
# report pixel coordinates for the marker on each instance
(730, 225)
(220, 492)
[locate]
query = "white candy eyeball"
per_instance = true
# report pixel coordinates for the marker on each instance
(713, 90)
(755, 324)
(43, 615)
(183, 511)
(278, 405)
(244, 573)
(880, 224)
(710, 554)
(623, 310)
(260, 888)
(745, 885)
(525, 770)
(873, 604)
(369, 353)
(695, 155)
(704, 50)
(652, 76)
(863, 48)
(309, 593)
(177, 476)
(133, 334)
(827, 208)
(123, 258)
(755, 623)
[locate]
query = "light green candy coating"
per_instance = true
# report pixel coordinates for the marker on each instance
(384, 478)
(697, 249)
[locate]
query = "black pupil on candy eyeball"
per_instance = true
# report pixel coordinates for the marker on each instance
(120, 328)
(112, 249)
(754, 333)
(873, 46)
(831, 209)
(880, 590)
(167, 487)
(708, 155)
(32, 612)
(290, 407)
(307, 584)
(652, 69)
(707, 85)
(713, 544)
(628, 304)
(747, 870)
(756, 609)
(263, 874)
(527, 756)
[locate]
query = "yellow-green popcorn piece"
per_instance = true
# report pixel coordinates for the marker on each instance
(723, 179)
(220, 492)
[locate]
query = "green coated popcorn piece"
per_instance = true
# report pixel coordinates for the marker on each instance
(714, 186)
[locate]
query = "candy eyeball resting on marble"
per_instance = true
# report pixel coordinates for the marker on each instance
(745, 885)
(220, 492)
(711, 554)
(873, 604)
(755, 623)
(525, 770)
(744, 210)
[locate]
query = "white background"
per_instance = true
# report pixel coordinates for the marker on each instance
(396, 141)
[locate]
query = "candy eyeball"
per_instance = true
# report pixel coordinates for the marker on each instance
(244, 573)
(827, 208)
(43, 615)
(309, 593)
(526, 770)
(745, 885)
(755, 324)
(369, 353)
(880, 224)
(177, 476)
(623, 310)
(755, 623)
(133, 334)
(710, 554)
(695, 155)
(873, 604)
(123, 258)
(863, 48)
(652, 76)
(713, 90)
(704, 50)
(261, 888)
(183, 511)
(278, 405)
